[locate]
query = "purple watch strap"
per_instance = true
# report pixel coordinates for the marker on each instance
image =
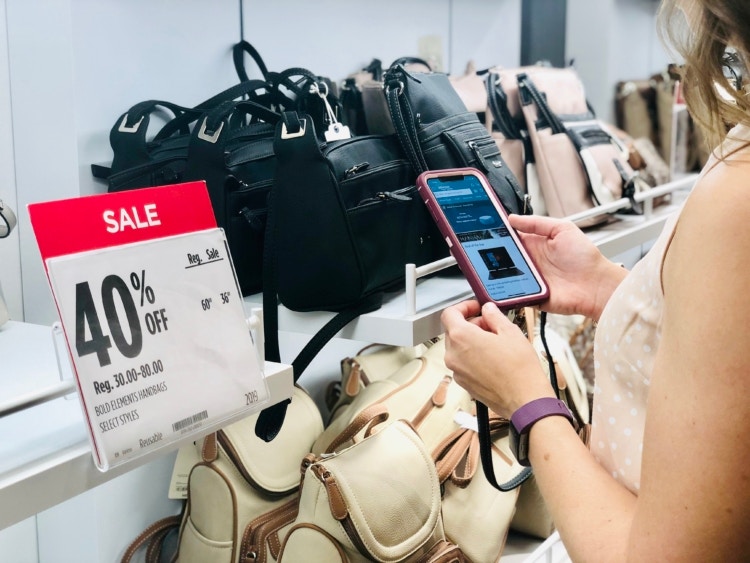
(537, 409)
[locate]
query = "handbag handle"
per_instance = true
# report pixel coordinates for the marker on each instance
(238, 54)
(153, 536)
(369, 417)
(402, 116)
(8, 218)
(497, 100)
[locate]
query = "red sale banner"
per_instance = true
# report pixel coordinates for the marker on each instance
(79, 224)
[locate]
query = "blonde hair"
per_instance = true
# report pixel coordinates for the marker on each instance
(701, 31)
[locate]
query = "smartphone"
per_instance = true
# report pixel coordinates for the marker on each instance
(475, 225)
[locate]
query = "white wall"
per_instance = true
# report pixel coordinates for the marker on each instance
(612, 40)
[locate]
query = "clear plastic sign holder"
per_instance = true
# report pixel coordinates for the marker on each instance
(154, 334)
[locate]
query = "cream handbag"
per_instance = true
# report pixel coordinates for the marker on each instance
(243, 494)
(376, 500)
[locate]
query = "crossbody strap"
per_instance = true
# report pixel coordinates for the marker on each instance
(271, 419)
(483, 422)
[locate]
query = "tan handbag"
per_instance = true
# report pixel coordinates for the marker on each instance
(243, 494)
(476, 516)
(372, 363)
(376, 500)
(422, 391)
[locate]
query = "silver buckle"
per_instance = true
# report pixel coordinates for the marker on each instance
(211, 138)
(125, 129)
(287, 135)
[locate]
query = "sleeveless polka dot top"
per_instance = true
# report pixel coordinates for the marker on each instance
(625, 344)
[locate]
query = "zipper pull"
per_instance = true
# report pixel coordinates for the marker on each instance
(356, 169)
(392, 195)
(252, 218)
(336, 500)
(441, 393)
(478, 155)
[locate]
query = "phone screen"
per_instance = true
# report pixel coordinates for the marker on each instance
(485, 239)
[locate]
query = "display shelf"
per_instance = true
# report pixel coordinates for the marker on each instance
(51, 461)
(412, 316)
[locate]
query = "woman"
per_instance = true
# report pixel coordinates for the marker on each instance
(666, 476)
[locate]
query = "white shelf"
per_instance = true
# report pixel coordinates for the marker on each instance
(393, 324)
(51, 460)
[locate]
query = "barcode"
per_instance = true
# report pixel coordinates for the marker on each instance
(185, 422)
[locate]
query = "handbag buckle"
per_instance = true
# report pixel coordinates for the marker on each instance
(124, 128)
(287, 135)
(210, 137)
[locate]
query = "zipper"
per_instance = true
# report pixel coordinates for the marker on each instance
(338, 507)
(365, 169)
(474, 147)
(355, 169)
(235, 459)
(259, 531)
(398, 195)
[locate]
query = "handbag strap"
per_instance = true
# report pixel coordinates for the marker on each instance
(238, 54)
(497, 101)
(485, 453)
(483, 422)
(152, 537)
(403, 117)
(271, 419)
(8, 218)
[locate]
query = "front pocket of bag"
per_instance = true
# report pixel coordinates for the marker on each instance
(208, 532)
(162, 172)
(391, 233)
(364, 182)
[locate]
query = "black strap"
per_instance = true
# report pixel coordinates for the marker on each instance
(403, 120)
(238, 54)
(483, 424)
(271, 419)
(498, 103)
(485, 453)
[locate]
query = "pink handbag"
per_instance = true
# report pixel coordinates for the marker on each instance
(566, 155)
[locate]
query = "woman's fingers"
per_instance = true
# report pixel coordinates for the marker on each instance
(536, 224)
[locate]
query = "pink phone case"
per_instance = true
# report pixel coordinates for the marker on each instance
(457, 250)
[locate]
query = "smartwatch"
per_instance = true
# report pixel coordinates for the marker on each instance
(526, 416)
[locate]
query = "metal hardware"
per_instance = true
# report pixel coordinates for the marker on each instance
(210, 137)
(124, 128)
(287, 135)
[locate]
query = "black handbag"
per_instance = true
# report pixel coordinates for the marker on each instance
(231, 149)
(344, 220)
(347, 217)
(436, 131)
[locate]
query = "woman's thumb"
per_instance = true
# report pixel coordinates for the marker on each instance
(493, 317)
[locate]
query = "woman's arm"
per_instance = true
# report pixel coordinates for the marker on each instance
(694, 501)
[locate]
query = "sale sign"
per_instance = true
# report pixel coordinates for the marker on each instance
(152, 314)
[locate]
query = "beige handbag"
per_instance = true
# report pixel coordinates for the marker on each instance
(376, 500)
(422, 391)
(476, 516)
(243, 494)
(372, 363)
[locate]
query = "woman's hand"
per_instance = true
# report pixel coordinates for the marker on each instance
(580, 278)
(491, 358)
